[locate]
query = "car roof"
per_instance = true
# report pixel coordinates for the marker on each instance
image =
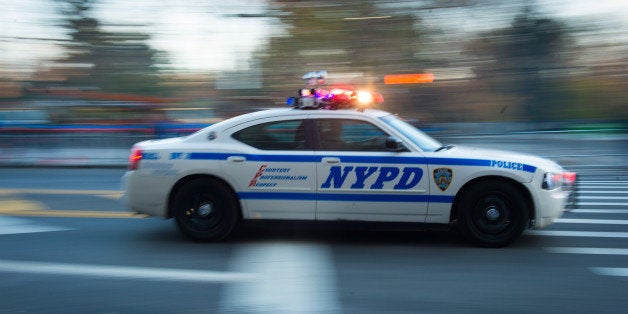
(304, 112)
(290, 112)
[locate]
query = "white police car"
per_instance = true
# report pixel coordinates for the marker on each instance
(344, 164)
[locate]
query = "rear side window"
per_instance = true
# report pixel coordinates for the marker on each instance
(277, 135)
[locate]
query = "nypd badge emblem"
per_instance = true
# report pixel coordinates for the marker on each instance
(443, 177)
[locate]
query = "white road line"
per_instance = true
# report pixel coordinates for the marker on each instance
(601, 192)
(582, 234)
(600, 187)
(604, 198)
(610, 271)
(603, 182)
(11, 225)
(587, 250)
(592, 221)
(601, 204)
(298, 278)
(599, 211)
(122, 272)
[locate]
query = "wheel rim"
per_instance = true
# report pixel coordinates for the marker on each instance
(203, 213)
(493, 214)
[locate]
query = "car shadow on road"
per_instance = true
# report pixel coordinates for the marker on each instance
(331, 233)
(353, 233)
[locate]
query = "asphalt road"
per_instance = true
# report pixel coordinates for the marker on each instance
(67, 245)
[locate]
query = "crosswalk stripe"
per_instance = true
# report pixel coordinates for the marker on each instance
(592, 221)
(610, 271)
(599, 187)
(604, 198)
(587, 250)
(599, 211)
(603, 182)
(602, 192)
(299, 278)
(582, 234)
(601, 204)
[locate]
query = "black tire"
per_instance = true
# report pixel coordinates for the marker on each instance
(492, 213)
(205, 210)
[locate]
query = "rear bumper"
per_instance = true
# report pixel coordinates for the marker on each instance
(142, 194)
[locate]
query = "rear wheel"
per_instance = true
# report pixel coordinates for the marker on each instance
(492, 213)
(205, 210)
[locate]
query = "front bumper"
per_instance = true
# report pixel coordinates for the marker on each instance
(572, 199)
(551, 204)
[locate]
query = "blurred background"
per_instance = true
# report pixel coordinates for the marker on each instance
(72, 71)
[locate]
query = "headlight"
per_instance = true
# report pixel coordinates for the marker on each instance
(552, 181)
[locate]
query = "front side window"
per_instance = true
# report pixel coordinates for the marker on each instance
(420, 139)
(350, 135)
(277, 135)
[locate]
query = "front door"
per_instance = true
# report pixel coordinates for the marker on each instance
(359, 179)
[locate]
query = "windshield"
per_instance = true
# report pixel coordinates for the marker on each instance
(422, 140)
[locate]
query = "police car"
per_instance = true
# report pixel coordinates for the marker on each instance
(344, 163)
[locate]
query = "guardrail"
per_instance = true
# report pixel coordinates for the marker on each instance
(87, 136)
(75, 145)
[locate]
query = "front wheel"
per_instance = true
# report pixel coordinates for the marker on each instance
(205, 210)
(492, 213)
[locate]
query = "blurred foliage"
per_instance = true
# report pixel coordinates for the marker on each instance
(340, 38)
(108, 61)
(520, 60)
(535, 68)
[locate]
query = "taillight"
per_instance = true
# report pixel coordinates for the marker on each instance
(569, 178)
(134, 158)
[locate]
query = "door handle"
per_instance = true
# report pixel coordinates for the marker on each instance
(331, 160)
(236, 159)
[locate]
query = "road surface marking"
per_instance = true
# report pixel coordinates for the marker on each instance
(599, 211)
(112, 193)
(13, 204)
(604, 198)
(109, 194)
(610, 271)
(298, 278)
(123, 272)
(592, 221)
(11, 225)
(71, 213)
(602, 204)
(587, 250)
(581, 192)
(599, 187)
(584, 234)
(26, 208)
(602, 182)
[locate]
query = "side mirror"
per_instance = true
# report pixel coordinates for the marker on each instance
(394, 144)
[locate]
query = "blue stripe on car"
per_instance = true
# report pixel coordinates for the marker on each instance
(346, 197)
(355, 159)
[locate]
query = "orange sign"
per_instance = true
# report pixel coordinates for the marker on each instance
(418, 78)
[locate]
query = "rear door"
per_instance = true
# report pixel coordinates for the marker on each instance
(276, 177)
